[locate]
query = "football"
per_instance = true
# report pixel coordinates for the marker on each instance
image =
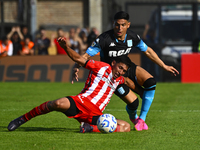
(106, 123)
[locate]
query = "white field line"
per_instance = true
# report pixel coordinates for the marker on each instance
(109, 110)
(172, 111)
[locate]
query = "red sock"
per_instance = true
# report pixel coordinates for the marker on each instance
(39, 110)
(95, 128)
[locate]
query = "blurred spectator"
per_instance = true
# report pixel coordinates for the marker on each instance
(54, 42)
(17, 47)
(75, 41)
(92, 36)
(27, 47)
(77, 31)
(25, 33)
(16, 29)
(6, 47)
(84, 44)
(42, 43)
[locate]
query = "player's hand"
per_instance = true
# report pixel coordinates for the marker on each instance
(62, 42)
(75, 75)
(75, 72)
(172, 70)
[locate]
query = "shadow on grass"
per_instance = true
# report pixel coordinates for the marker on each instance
(30, 129)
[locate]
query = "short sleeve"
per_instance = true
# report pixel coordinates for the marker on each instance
(142, 46)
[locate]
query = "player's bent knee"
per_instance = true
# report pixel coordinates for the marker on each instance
(127, 127)
(124, 126)
(61, 103)
(122, 90)
(149, 82)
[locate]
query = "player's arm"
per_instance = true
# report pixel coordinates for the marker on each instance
(154, 57)
(86, 56)
(129, 83)
(71, 53)
(76, 68)
(91, 51)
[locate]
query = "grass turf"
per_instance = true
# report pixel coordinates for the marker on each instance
(173, 120)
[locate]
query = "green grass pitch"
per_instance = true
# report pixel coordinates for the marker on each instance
(173, 120)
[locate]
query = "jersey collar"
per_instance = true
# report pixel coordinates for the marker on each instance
(123, 41)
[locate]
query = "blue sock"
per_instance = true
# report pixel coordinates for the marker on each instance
(132, 109)
(147, 99)
(132, 113)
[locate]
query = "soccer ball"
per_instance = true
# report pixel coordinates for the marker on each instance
(106, 123)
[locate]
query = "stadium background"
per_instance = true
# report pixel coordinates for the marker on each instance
(52, 14)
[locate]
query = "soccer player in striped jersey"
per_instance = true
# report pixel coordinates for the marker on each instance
(117, 42)
(89, 104)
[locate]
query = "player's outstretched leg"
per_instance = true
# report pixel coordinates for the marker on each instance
(39, 110)
(16, 123)
(61, 105)
(147, 99)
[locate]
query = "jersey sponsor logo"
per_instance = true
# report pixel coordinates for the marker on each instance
(119, 53)
(108, 82)
(112, 44)
(129, 43)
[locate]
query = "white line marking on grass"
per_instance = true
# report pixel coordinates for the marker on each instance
(172, 111)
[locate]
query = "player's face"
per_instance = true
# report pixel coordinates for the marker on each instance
(118, 69)
(120, 27)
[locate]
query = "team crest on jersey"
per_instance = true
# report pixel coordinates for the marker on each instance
(93, 44)
(129, 43)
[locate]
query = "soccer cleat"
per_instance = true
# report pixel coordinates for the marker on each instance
(145, 127)
(141, 125)
(16, 123)
(85, 127)
(135, 121)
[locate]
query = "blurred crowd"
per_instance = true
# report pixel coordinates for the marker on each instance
(19, 41)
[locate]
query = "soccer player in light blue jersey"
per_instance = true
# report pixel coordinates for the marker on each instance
(119, 41)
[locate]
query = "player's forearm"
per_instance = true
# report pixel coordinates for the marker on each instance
(75, 56)
(86, 56)
(129, 83)
(154, 57)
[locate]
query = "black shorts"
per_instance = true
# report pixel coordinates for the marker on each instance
(73, 110)
(131, 72)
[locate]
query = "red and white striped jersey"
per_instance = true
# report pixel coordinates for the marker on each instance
(100, 85)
